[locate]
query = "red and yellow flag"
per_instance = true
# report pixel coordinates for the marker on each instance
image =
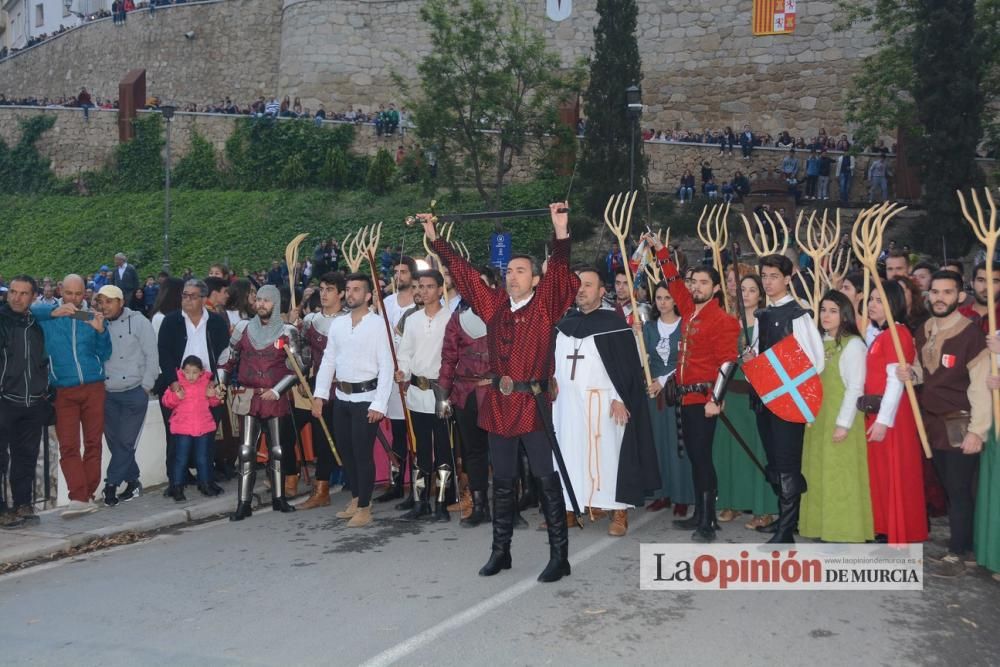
(774, 17)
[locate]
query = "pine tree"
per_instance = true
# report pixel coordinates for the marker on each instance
(949, 102)
(616, 65)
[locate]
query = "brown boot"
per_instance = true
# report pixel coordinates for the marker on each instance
(362, 517)
(596, 513)
(320, 496)
(291, 486)
(619, 523)
(350, 510)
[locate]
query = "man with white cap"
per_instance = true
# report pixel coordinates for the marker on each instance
(130, 373)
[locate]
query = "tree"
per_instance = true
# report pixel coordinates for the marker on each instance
(489, 88)
(615, 66)
(933, 75)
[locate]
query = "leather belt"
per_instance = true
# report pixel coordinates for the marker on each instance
(507, 386)
(700, 388)
(357, 387)
(477, 380)
(421, 382)
(738, 387)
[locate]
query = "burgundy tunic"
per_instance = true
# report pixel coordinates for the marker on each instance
(261, 369)
(463, 360)
(520, 343)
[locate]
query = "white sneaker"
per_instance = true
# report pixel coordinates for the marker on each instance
(78, 508)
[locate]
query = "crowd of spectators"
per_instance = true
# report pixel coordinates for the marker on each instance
(728, 141)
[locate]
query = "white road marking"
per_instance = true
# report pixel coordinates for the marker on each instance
(421, 639)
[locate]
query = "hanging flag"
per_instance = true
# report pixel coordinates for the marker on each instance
(774, 17)
(558, 10)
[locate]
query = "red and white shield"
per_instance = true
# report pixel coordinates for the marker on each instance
(786, 382)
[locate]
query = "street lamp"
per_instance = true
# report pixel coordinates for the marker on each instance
(167, 112)
(633, 107)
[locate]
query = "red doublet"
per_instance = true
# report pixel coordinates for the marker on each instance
(520, 343)
(463, 360)
(261, 369)
(708, 338)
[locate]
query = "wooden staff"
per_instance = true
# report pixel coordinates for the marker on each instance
(618, 218)
(987, 234)
(820, 239)
(291, 259)
(305, 386)
(856, 246)
(768, 245)
(367, 248)
(869, 241)
(713, 233)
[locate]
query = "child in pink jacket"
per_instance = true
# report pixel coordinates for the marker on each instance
(192, 426)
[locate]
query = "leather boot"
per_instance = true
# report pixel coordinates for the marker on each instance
(441, 512)
(792, 485)
(503, 527)
(349, 511)
(707, 524)
(529, 492)
(291, 486)
(421, 493)
(361, 518)
(619, 523)
(320, 496)
(554, 508)
(243, 510)
(480, 510)
(692, 521)
(393, 491)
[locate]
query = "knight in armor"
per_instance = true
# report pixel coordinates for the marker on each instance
(419, 358)
(257, 352)
(315, 330)
(782, 439)
(706, 362)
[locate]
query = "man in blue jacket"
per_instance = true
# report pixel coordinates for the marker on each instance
(77, 351)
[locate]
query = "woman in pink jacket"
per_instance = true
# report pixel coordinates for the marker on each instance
(192, 426)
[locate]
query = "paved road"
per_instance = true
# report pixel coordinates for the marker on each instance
(303, 590)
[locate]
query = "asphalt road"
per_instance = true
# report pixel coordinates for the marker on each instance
(302, 589)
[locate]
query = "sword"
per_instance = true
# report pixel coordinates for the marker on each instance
(489, 215)
(743, 443)
(557, 453)
(394, 461)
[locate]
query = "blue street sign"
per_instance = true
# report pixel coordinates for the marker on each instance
(500, 249)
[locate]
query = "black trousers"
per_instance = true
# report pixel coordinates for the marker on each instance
(782, 442)
(957, 472)
(325, 463)
(433, 447)
(165, 413)
(399, 444)
(503, 454)
(699, 431)
(355, 439)
(475, 444)
(22, 428)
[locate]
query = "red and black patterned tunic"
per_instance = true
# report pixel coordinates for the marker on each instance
(520, 342)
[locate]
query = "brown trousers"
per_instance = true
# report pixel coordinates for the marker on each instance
(76, 407)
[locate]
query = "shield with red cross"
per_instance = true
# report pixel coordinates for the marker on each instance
(786, 382)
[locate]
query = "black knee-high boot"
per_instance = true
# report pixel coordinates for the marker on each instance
(503, 527)
(554, 508)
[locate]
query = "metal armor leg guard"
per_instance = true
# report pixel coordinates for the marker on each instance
(444, 473)
(248, 452)
(278, 501)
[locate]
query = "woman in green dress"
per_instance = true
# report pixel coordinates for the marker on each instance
(837, 506)
(662, 337)
(986, 538)
(742, 487)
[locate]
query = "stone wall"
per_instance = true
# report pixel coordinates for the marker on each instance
(75, 145)
(702, 66)
(233, 52)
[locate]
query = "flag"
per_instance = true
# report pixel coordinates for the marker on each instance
(774, 17)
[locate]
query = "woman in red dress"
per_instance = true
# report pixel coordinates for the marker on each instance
(894, 464)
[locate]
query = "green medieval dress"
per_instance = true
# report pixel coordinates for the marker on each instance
(987, 532)
(837, 506)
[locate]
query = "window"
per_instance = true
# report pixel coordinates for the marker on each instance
(39, 15)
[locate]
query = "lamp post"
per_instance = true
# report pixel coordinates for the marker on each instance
(633, 107)
(167, 112)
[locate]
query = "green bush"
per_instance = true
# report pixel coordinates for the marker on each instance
(22, 168)
(382, 173)
(336, 169)
(137, 165)
(199, 169)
